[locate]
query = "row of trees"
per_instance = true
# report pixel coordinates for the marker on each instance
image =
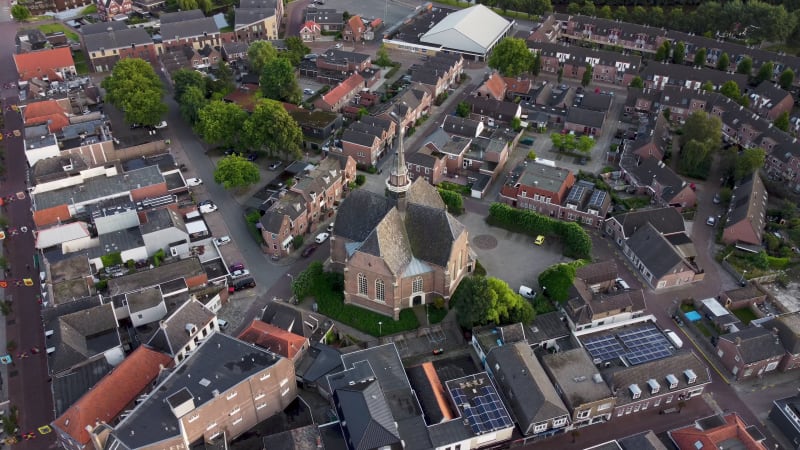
(577, 243)
(134, 88)
(569, 143)
(481, 300)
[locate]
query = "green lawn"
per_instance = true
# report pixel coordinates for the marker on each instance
(91, 9)
(80, 63)
(56, 27)
(703, 329)
(746, 315)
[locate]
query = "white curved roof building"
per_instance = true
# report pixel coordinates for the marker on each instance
(474, 30)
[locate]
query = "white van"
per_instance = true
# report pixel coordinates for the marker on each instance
(622, 284)
(222, 324)
(673, 337)
(527, 292)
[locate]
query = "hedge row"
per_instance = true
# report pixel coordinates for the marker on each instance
(577, 243)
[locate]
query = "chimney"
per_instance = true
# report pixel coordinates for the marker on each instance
(738, 341)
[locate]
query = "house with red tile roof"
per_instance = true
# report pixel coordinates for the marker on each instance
(54, 64)
(713, 432)
(274, 339)
(339, 96)
(310, 31)
(354, 29)
(494, 87)
(109, 397)
(51, 112)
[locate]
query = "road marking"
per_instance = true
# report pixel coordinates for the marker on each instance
(713, 366)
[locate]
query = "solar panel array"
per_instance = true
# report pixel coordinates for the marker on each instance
(638, 345)
(597, 199)
(485, 412)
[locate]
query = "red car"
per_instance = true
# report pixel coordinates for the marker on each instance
(308, 251)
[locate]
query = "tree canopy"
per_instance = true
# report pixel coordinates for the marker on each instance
(234, 171)
(765, 72)
(749, 161)
(220, 123)
(557, 280)
(382, 57)
(786, 79)
(271, 129)
(511, 57)
(702, 136)
(483, 300)
(278, 81)
(296, 49)
(134, 87)
(782, 121)
(679, 53)
(700, 57)
(745, 66)
(20, 12)
(182, 79)
(191, 102)
(259, 53)
(637, 82)
(586, 78)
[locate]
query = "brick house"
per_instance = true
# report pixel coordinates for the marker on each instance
(310, 31)
(439, 72)
(307, 203)
(659, 76)
(327, 19)
(212, 395)
(519, 88)
(317, 126)
(343, 61)
(501, 111)
(584, 121)
(188, 29)
(587, 401)
(412, 104)
(629, 36)
(662, 260)
(52, 64)
(622, 226)
(662, 383)
(770, 101)
(453, 147)
(354, 29)
(108, 9)
(364, 148)
(719, 431)
(104, 48)
(787, 326)
(274, 339)
(751, 352)
(746, 217)
(537, 182)
(335, 99)
(376, 238)
(658, 180)
(114, 393)
(493, 87)
(257, 20)
(607, 66)
(427, 163)
(463, 126)
(595, 301)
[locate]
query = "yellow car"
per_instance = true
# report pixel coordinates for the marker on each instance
(539, 240)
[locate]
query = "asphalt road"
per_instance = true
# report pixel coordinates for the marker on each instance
(28, 383)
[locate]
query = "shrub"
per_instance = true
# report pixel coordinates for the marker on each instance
(361, 179)
(297, 242)
(479, 270)
(101, 285)
(577, 243)
(111, 259)
(453, 201)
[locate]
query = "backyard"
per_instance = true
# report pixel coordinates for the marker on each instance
(58, 27)
(80, 63)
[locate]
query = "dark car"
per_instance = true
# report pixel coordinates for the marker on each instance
(238, 285)
(252, 157)
(236, 266)
(308, 251)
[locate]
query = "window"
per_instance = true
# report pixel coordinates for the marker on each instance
(194, 417)
(560, 422)
(538, 428)
(232, 395)
(416, 285)
(284, 392)
(234, 411)
(380, 295)
(237, 421)
(211, 426)
(584, 414)
(771, 366)
(262, 406)
(362, 284)
(284, 381)
(264, 377)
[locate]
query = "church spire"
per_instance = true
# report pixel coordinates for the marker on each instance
(398, 181)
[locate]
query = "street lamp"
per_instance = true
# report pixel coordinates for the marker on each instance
(743, 281)
(290, 276)
(380, 328)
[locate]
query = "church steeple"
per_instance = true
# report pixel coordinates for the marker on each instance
(398, 181)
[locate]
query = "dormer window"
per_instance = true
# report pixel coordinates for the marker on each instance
(635, 391)
(691, 377)
(654, 386)
(672, 380)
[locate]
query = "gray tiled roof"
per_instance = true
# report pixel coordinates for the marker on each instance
(357, 137)
(679, 75)
(247, 16)
(586, 117)
(116, 39)
(596, 102)
(788, 326)
(651, 169)
(70, 386)
(144, 299)
(654, 251)
(181, 16)
(172, 335)
(102, 27)
(389, 241)
(620, 380)
(423, 193)
(160, 219)
(369, 421)
(666, 220)
(81, 329)
(188, 28)
(757, 344)
(567, 369)
(525, 386)
(431, 233)
(360, 213)
(460, 125)
(748, 202)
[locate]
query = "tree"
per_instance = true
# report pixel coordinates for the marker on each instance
(278, 81)
(182, 79)
(205, 5)
(536, 64)
(745, 66)
(679, 53)
(453, 201)
(750, 160)
(563, 142)
(731, 90)
(695, 159)
(134, 87)
(511, 57)
(662, 53)
(560, 74)
(620, 13)
(573, 8)
(20, 12)
(187, 5)
(225, 82)
(556, 281)
(584, 144)
(272, 129)
(235, 171)
(637, 82)
(701, 126)
(786, 79)
(723, 62)
(259, 53)
(782, 122)
(383, 59)
(463, 109)
(707, 86)
(220, 123)
(483, 300)
(765, 72)
(295, 49)
(587, 75)
(604, 12)
(700, 57)
(191, 102)
(588, 8)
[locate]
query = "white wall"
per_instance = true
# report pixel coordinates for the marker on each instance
(149, 315)
(34, 155)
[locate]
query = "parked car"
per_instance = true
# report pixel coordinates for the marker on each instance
(621, 284)
(330, 227)
(160, 125)
(309, 250)
(192, 182)
(205, 202)
(252, 157)
(711, 221)
(275, 165)
(717, 199)
(236, 266)
(539, 240)
(308, 91)
(205, 209)
(322, 237)
(527, 292)
(238, 285)
(222, 324)
(240, 274)
(222, 240)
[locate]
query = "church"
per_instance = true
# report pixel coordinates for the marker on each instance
(399, 250)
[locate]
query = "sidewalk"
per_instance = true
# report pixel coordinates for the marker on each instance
(3, 367)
